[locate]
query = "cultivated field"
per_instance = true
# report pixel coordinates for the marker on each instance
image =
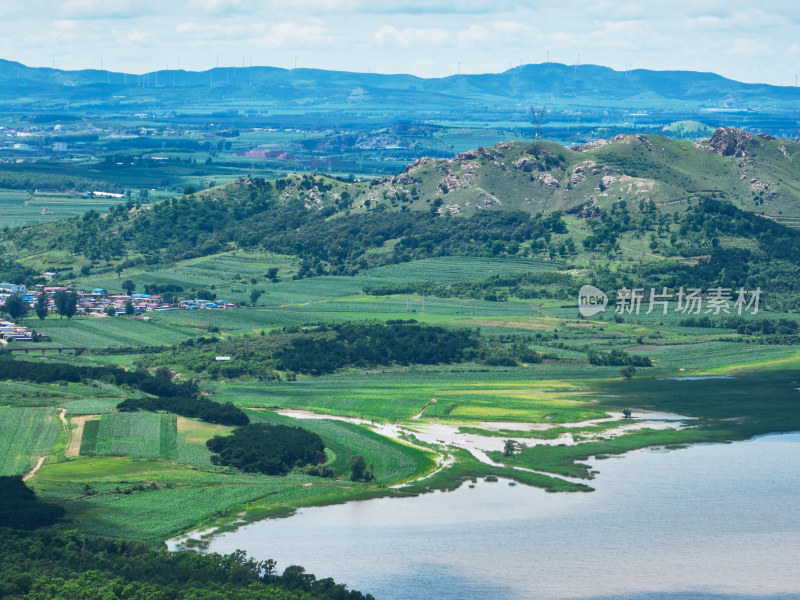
(27, 434)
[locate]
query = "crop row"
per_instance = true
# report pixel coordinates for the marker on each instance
(26, 434)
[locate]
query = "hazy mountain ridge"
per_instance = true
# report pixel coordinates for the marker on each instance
(552, 83)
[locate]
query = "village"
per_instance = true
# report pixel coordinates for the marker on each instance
(97, 303)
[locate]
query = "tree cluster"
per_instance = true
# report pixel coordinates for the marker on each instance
(326, 348)
(268, 449)
(617, 358)
(13, 272)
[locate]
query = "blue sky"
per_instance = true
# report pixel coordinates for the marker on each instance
(744, 40)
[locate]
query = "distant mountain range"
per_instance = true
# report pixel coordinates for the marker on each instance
(552, 84)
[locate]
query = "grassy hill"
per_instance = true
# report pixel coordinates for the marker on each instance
(536, 199)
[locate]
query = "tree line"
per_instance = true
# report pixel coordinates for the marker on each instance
(325, 348)
(742, 326)
(617, 358)
(182, 398)
(32, 181)
(497, 288)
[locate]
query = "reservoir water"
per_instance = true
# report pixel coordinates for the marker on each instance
(709, 522)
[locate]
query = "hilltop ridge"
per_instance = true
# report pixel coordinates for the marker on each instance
(632, 198)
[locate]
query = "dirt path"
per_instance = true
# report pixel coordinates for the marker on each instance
(36, 468)
(62, 414)
(76, 435)
(419, 414)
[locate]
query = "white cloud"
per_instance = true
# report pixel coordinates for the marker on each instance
(104, 9)
(739, 20)
(750, 47)
(408, 36)
(65, 24)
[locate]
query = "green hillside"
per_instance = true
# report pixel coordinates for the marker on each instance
(624, 202)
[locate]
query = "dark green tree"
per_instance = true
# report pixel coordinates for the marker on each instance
(41, 305)
(66, 303)
(255, 295)
(358, 469)
(510, 448)
(16, 307)
(129, 309)
(128, 286)
(628, 372)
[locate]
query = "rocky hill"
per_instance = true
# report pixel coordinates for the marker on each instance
(630, 198)
(755, 173)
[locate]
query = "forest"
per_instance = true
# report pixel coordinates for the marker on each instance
(198, 225)
(267, 449)
(53, 565)
(193, 407)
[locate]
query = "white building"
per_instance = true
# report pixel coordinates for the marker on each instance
(12, 288)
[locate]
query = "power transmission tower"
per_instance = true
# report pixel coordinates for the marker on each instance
(537, 119)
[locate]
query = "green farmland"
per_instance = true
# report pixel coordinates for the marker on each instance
(28, 434)
(19, 207)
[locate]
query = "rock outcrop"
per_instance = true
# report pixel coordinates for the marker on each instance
(729, 141)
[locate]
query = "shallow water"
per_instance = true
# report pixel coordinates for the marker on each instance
(708, 522)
